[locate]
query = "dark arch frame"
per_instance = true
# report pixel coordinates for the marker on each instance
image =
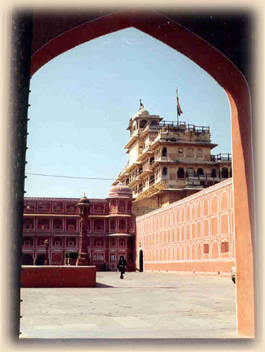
(232, 81)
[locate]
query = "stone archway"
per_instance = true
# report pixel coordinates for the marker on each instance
(65, 36)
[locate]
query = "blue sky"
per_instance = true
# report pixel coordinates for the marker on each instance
(82, 100)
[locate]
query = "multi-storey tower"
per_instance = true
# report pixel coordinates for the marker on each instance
(169, 161)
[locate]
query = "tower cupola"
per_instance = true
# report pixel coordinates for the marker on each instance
(83, 206)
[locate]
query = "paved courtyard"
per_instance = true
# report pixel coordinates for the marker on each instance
(143, 305)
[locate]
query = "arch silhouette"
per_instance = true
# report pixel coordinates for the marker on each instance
(230, 79)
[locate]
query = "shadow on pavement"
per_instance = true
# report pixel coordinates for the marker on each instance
(99, 285)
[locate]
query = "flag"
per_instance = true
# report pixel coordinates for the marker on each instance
(178, 106)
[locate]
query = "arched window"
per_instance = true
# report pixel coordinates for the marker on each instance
(121, 205)
(213, 174)
(152, 180)
(224, 172)
(225, 247)
(164, 172)
(143, 123)
(200, 172)
(129, 208)
(181, 173)
(122, 225)
(152, 160)
(113, 224)
(164, 151)
(206, 248)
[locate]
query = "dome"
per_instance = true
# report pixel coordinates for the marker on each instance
(83, 200)
(120, 191)
(141, 113)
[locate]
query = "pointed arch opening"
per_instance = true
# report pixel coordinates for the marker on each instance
(234, 84)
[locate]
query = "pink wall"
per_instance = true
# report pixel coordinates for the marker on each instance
(196, 233)
(58, 276)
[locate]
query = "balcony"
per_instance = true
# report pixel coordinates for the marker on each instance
(222, 157)
(152, 182)
(183, 127)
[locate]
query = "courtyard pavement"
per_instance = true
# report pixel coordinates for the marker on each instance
(142, 306)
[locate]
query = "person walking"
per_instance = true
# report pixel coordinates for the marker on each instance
(122, 266)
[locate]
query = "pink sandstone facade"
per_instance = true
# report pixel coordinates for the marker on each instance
(110, 230)
(193, 234)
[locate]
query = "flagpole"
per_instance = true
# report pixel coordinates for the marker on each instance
(177, 109)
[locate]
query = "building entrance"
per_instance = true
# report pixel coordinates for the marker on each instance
(141, 261)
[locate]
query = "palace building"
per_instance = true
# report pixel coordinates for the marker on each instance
(111, 229)
(171, 208)
(169, 161)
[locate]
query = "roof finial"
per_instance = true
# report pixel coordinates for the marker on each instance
(84, 194)
(141, 104)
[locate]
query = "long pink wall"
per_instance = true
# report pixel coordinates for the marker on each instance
(58, 276)
(175, 238)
